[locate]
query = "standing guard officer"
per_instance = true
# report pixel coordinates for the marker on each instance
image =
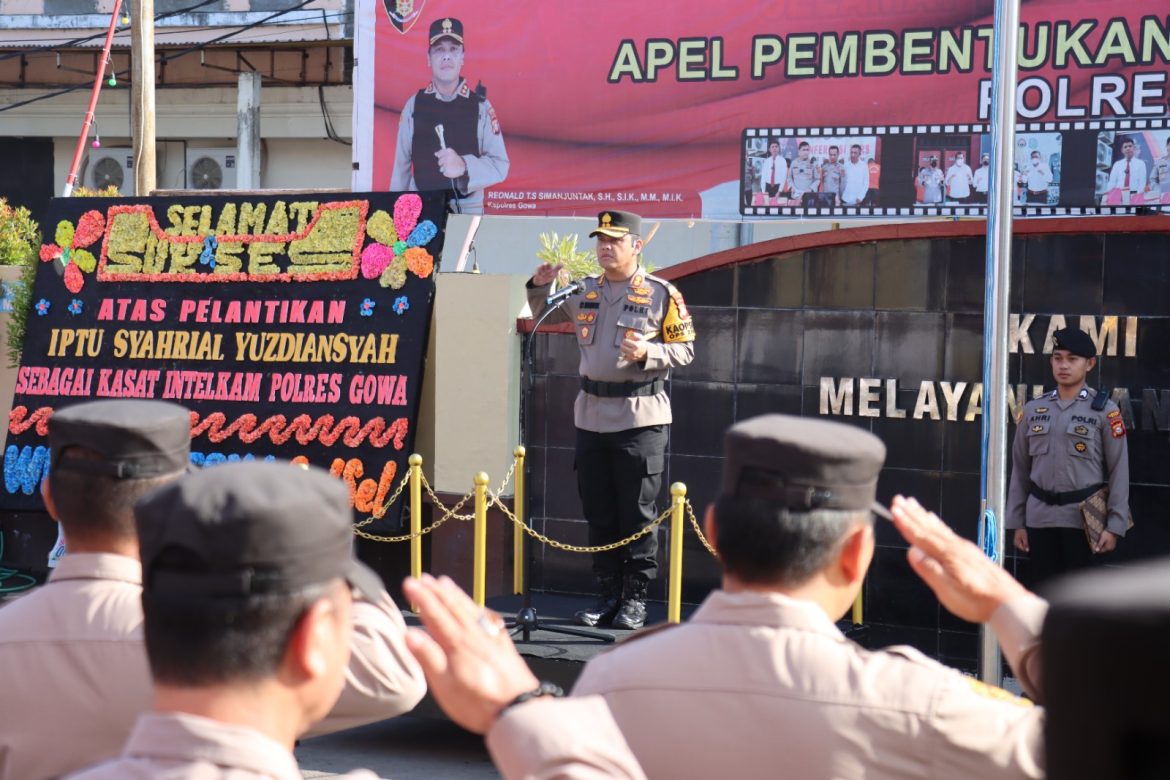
(632, 328)
(469, 154)
(1069, 444)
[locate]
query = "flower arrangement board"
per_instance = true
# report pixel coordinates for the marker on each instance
(292, 326)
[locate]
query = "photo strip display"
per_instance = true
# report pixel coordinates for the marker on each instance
(1060, 168)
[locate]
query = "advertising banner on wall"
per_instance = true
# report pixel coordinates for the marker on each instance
(291, 327)
(555, 108)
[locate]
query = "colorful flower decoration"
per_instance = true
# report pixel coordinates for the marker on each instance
(207, 256)
(419, 261)
(43, 307)
(75, 306)
(406, 212)
(401, 304)
(422, 235)
(69, 247)
(380, 227)
(394, 276)
(367, 307)
(375, 258)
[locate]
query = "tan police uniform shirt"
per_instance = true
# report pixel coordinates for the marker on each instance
(177, 746)
(602, 314)
(763, 685)
(1064, 446)
(74, 673)
(547, 739)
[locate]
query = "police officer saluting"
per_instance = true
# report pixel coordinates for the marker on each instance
(632, 328)
(1069, 444)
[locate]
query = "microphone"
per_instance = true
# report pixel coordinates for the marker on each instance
(442, 140)
(562, 295)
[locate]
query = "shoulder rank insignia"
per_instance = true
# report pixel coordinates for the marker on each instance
(991, 692)
(1117, 428)
(1080, 446)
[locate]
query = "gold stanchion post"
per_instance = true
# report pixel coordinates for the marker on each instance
(479, 566)
(674, 597)
(857, 613)
(415, 462)
(517, 532)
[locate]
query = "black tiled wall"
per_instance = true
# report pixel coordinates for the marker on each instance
(909, 310)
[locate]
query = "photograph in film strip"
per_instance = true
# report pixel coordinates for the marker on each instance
(1059, 168)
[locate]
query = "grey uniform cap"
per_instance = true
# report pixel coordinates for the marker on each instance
(803, 464)
(132, 439)
(246, 529)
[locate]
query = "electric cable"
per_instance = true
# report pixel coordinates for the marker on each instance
(7, 574)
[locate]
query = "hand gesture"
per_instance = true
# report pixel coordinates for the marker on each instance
(545, 273)
(1020, 539)
(451, 164)
(471, 665)
(634, 347)
(965, 580)
(1106, 543)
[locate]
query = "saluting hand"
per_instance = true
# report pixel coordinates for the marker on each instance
(545, 273)
(451, 164)
(965, 580)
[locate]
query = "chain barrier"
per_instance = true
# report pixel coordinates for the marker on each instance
(494, 500)
(574, 547)
(699, 530)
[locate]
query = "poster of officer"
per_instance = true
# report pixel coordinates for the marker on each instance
(844, 164)
(449, 135)
(1133, 167)
(1037, 166)
(766, 170)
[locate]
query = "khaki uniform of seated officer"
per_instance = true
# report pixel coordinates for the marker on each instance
(248, 582)
(632, 329)
(760, 681)
(72, 660)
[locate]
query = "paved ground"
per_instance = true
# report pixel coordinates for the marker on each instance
(405, 748)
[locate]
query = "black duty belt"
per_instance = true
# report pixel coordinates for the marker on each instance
(622, 389)
(1062, 499)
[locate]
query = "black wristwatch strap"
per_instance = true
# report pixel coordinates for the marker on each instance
(544, 689)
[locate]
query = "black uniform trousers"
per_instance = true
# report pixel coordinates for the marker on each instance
(619, 475)
(1056, 551)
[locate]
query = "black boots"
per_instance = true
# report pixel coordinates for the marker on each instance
(606, 607)
(632, 613)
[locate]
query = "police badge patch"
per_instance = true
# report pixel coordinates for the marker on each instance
(403, 13)
(495, 122)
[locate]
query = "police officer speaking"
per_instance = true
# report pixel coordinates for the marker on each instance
(631, 328)
(1069, 444)
(448, 134)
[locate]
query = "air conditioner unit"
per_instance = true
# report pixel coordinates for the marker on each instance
(108, 166)
(211, 169)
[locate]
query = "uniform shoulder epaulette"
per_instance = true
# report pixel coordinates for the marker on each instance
(1100, 401)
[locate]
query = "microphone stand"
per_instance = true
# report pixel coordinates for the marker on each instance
(527, 620)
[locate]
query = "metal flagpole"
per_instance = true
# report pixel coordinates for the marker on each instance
(86, 123)
(995, 310)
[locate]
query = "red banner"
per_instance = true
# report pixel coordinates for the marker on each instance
(670, 108)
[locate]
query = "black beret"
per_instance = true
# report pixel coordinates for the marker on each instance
(249, 528)
(1075, 341)
(132, 439)
(803, 464)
